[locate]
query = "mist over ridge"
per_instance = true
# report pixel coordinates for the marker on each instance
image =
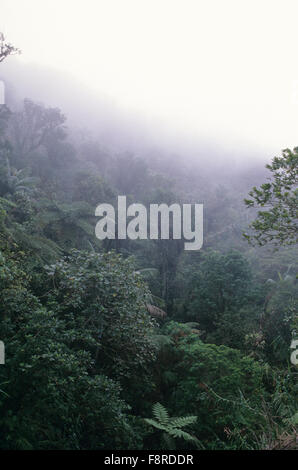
(120, 129)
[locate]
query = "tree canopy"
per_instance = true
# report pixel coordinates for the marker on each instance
(278, 222)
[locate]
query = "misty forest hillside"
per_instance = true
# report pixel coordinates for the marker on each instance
(139, 344)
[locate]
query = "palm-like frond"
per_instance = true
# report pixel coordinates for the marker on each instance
(171, 427)
(156, 424)
(160, 413)
(175, 432)
(182, 421)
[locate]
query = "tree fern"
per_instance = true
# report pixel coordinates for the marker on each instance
(171, 427)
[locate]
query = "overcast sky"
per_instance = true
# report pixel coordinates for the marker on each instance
(225, 69)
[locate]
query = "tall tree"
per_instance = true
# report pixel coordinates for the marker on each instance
(278, 222)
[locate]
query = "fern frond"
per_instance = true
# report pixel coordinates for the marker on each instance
(172, 426)
(182, 434)
(182, 421)
(155, 424)
(160, 413)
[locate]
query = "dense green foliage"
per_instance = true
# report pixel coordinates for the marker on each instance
(279, 223)
(85, 359)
